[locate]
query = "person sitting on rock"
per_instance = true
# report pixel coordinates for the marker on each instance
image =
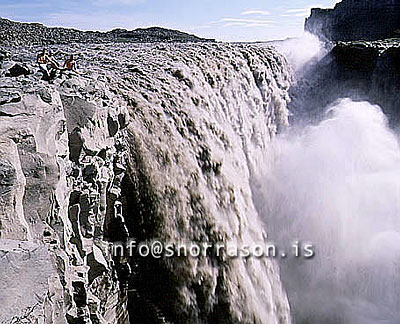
(70, 65)
(47, 64)
(43, 60)
(53, 64)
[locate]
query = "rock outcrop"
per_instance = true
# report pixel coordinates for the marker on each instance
(57, 169)
(25, 34)
(152, 142)
(352, 20)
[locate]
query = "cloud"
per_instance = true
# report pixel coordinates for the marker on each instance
(97, 21)
(255, 12)
(297, 10)
(199, 27)
(242, 22)
(23, 5)
(300, 12)
(107, 3)
(246, 25)
(247, 21)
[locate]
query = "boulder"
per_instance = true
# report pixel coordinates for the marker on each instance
(9, 97)
(18, 70)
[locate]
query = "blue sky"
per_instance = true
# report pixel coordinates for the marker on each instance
(228, 20)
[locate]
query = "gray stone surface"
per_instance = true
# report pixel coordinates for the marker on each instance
(37, 181)
(25, 273)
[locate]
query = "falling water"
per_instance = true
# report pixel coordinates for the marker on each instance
(301, 52)
(337, 185)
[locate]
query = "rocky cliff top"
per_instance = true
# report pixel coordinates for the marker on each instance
(356, 19)
(20, 34)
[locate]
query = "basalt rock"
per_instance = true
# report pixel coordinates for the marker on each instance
(56, 265)
(16, 34)
(17, 70)
(353, 20)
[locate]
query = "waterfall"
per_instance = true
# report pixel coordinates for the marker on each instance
(191, 144)
(337, 185)
(160, 141)
(334, 182)
(302, 51)
(201, 118)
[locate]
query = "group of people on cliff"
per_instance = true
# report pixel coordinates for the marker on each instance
(49, 65)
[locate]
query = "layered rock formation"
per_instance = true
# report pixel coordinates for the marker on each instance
(356, 20)
(19, 34)
(153, 142)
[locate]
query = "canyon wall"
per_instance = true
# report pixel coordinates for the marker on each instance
(356, 20)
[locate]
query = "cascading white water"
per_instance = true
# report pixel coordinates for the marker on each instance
(301, 51)
(201, 116)
(337, 185)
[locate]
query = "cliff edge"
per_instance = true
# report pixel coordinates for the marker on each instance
(356, 20)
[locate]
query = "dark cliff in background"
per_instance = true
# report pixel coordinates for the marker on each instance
(363, 63)
(356, 19)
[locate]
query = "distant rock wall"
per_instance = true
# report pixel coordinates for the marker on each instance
(26, 34)
(356, 19)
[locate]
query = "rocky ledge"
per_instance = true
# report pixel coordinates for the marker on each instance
(60, 169)
(25, 34)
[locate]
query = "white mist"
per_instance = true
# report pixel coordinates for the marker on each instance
(302, 51)
(337, 185)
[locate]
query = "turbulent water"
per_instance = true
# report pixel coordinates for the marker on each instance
(336, 184)
(201, 117)
(206, 165)
(207, 155)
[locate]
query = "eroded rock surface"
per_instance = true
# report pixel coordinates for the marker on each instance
(48, 200)
(26, 271)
